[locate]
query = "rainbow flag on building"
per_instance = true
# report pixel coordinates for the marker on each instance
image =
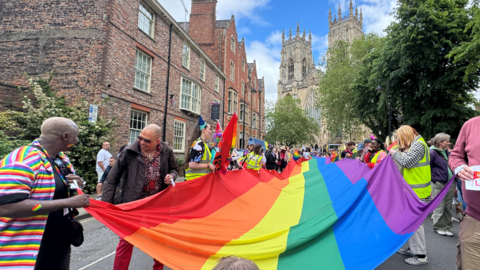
(315, 214)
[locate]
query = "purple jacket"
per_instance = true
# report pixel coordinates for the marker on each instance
(438, 166)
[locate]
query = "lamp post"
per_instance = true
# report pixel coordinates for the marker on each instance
(245, 109)
(379, 89)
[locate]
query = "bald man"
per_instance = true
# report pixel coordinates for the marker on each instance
(35, 202)
(147, 166)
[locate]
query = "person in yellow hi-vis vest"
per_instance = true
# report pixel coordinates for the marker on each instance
(255, 159)
(198, 157)
(377, 153)
(413, 161)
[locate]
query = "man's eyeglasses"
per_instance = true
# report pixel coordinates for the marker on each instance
(140, 139)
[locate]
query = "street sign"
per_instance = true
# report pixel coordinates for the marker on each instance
(93, 113)
(215, 113)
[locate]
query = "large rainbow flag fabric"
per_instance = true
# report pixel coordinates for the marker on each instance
(315, 215)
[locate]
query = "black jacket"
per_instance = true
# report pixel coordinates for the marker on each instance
(131, 168)
(438, 166)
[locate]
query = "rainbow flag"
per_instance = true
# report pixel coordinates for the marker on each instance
(335, 157)
(315, 214)
(296, 155)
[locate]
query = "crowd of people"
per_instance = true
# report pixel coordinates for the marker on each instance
(36, 182)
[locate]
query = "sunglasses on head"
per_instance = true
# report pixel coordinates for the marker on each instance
(140, 139)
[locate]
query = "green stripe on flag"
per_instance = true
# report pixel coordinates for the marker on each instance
(311, 244)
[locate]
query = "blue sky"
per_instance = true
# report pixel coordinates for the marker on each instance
(261, 22)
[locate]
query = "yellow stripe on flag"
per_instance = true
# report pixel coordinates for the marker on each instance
(268, 239)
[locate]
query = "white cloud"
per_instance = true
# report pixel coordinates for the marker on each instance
(267, 55)
(244, 9)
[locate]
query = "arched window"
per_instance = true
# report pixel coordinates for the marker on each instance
(311, 110)
(304, 68)
(290, 69)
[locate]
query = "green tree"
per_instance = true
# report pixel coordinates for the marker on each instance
(287, 123)
(470, 50)
(426, 85)
(24, 127)
(347, 94)
(335, 90)
(369, 105)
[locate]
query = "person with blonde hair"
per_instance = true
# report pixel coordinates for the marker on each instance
(414, 159)
(235, 263)
(441, 174)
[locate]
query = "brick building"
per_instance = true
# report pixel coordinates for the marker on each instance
(219, 39)
(132, 52)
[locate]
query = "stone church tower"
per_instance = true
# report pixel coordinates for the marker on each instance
(345, 28)
(298, 75)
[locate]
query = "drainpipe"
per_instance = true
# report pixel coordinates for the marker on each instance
(168, 83)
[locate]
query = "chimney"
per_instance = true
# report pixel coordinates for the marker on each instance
(202, 20)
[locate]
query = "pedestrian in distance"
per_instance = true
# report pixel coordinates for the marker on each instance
(358, 155)
(35, 206)
(148, 166)
(464, 160)
(198, 157)
(105, 174)
(414, 159)
(366, 148)
(441, 174)
(271, 157)
(103, 157)
(376, 153)
(255, 160)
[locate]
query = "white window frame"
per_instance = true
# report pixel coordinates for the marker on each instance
(134, 131)
(232, 46)
(232, 101)
(186, 56)
(191, 100)
(141, 56)
(232, 71)
(243, 64)
(175, 137)
(145, 21)
(217, 83)
(242, 113)
(216, 101)
(202, 70)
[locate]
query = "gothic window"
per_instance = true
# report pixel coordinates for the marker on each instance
(290, 69)
(304, 68)
(311, 110)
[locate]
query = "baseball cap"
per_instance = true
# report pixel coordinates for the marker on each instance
(368, 140)
(360, 146)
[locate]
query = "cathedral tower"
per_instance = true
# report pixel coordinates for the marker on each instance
(346, 28)
(298, 75)
(297, 63)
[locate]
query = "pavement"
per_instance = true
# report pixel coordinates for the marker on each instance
(98, 251)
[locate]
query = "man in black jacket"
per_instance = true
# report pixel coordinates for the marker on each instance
(147, 167)
(271, 163)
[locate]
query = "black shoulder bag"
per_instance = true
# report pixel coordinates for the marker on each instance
(75, 228)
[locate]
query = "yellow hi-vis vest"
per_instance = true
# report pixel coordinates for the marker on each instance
(374, 159)
(419, 176)
(253, 161)
(191, 174)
